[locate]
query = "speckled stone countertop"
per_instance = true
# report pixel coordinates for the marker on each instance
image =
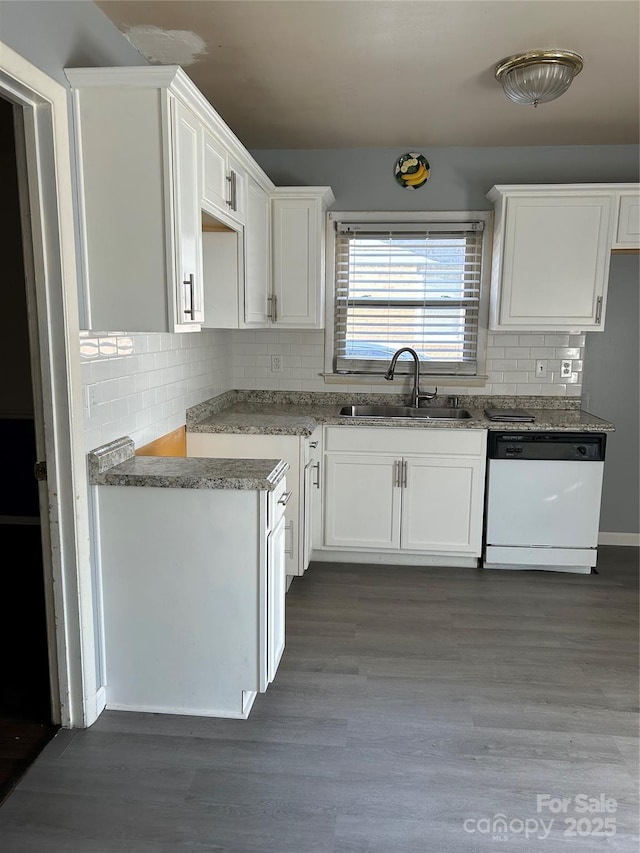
(115, 464)
(291, 413)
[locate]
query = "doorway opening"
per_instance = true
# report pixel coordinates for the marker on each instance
(26, 718)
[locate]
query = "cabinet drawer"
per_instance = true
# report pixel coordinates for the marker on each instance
(401, 441)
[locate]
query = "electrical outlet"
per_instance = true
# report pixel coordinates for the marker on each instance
(541, 368)
(565, 369)
(276, 364)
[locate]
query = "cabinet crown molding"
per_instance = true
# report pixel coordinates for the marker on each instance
(175, 80)
(544, 189)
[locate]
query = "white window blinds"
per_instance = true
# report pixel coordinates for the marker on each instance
(407, 284)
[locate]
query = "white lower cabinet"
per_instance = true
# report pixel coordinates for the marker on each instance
(404, 490)
(193, 587)
(296, 450)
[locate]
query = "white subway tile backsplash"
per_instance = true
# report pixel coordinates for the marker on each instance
(556, 340)
(144, 383)
(567, 352)
(542, 352)
(506, 340)
(530, 389)
(495, 352)
(530, 340)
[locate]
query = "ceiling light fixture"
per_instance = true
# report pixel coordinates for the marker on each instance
(538, 76)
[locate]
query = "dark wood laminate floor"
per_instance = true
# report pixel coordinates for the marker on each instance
(411, 707)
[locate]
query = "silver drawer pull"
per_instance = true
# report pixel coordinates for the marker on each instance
(313, 444)
(316, 483)
(284, 498)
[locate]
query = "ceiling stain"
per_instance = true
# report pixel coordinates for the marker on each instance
(167, 47)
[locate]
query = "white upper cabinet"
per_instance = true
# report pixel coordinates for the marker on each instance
(627, 230)
(155, 162)
(224, 180)
(284, 257)
(137, 149)
(551, 251)
(298, 253)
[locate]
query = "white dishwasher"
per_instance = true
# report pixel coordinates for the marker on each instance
(543, 500)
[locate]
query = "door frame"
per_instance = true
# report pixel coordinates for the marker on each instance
(43, 153)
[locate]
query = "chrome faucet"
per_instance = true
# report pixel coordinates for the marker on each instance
(416, 396)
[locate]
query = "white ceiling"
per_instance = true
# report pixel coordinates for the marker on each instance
(394, 73)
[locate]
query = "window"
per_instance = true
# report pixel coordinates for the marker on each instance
(409, 283)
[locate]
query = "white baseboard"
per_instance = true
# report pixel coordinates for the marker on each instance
(632, 539)
(393, 558)
(94, 705)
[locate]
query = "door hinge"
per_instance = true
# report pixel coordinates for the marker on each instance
(40, 471)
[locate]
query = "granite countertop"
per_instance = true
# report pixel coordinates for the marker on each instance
(115, 464)
(288, 413)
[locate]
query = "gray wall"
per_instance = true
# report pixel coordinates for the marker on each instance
(56, 35)
(362, 179)
(611, 389)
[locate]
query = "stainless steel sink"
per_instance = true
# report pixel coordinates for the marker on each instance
(428, 413)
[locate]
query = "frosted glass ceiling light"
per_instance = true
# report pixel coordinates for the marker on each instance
(538, 76)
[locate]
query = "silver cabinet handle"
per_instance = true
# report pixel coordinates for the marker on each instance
(396, 473)
(232, 201)
(190, 285)
(288, 551)
(404, 473)
(272, 307)
(313, 444)
(599, 310)
(284, 498)
(316, 483)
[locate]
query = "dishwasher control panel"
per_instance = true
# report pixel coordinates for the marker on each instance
(565, 446)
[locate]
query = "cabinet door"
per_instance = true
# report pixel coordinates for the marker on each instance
(214, 184)
(442, 505)
(297, 262)
(276, 591)
(362, 501)
(628, 228)
(552, 262)
(257, 287)
(308, 500)
(187, 222)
